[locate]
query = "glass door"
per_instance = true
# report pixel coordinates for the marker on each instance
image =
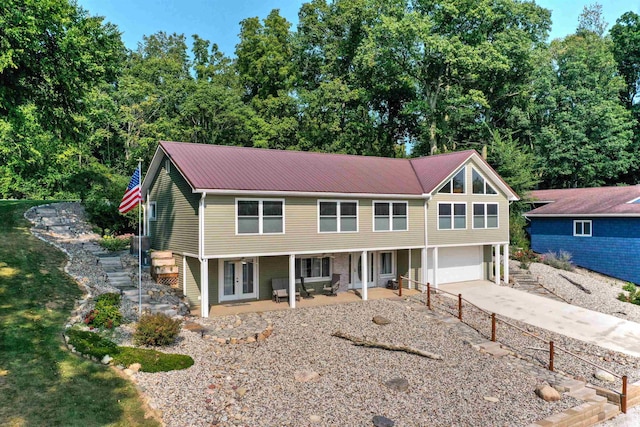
(238, 279)
(356, 270)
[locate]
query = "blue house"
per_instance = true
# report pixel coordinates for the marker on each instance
(599, 227)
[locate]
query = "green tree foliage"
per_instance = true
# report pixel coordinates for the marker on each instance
(585, 136)
(625, 35)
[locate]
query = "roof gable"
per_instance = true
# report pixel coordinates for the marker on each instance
(594, 201)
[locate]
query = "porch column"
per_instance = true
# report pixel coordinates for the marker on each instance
(365, 275)
(505, 260)
(496, 263)
(424, 261)
(435, 267)
(409, 272)
(292, 281)
(204, 287)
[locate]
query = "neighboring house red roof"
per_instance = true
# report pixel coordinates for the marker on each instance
(595, 201)
(221, 167)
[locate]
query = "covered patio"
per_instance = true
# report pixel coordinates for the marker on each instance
(239, 307)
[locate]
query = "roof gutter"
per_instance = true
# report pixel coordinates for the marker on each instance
(583, 215)
(269, 193)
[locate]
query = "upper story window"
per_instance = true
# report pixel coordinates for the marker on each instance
(167, 166)
(455, 185)
(485, 215)
(256, 216)
(390, 216)
(337, 216)
(480, 185)
(582, 228)
(452, 216)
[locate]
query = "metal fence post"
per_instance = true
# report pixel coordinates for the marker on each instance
(623, 398)
(493, 327)
(428, 296)
(460, 307)
(400, 287)
(551, 355)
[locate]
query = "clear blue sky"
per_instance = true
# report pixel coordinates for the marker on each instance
(219, 20)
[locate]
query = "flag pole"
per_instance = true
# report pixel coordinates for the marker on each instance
(140, 247)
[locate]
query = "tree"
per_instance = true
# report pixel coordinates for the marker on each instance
(625, 35)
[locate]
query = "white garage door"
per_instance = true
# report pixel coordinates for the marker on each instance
(459, 264)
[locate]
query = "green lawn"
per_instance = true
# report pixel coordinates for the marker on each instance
(41, 383)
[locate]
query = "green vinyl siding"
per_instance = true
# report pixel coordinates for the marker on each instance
(301, 230)
(272, 267)
(416, 264)
(176, 224)
(213, 281)
(402, 258)
(192, 275)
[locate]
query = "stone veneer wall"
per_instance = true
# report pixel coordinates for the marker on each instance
(341, 267)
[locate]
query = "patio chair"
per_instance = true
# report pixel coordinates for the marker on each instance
(307, 291)
(280, 287)
(332, 288)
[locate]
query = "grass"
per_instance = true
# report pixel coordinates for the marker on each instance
(41, 383)
(150, 360)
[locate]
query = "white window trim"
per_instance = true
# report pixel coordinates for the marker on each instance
(316, 279)
(390, 203)
(486, 226)
(466, 215)
(260, 216)
(583, 221)
(393, 264)
(153, 209)
(486, 182)
(450, 181)
(338, 216)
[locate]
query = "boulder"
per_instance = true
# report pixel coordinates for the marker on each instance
(305, 376)
(135, 367)
(380, 421)
(547, 393)
(106, 359)
(604, 376)
(398, 384)
(380, 320)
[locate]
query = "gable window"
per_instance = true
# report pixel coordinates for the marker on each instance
(455, 185)
(390, 216)
(480, 185)
(152, 215)
(313, 268)
(452, 216)
(337, 216)
(386, 263)
(582, 228)
(167, 166)
(485, 215)
(256, 216)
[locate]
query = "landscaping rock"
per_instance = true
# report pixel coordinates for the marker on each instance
(135, 367)
(314, 419)
(491, 399)
(106, 359)
(305, 376)
(398, 384)
(380, 421)
(380, 320)
(604, 376)
(548, 393)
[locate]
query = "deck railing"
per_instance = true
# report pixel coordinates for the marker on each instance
(429, 290)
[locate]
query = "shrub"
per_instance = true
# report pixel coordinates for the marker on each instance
(526, 257)
(561, 260)
(633, 295)
(114, 244)
(156, 329)
(106, 313)
(90, 343)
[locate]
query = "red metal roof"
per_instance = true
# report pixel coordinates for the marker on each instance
(588, 201)
(220, 167)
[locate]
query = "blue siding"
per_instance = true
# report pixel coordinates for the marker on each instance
(614, 248)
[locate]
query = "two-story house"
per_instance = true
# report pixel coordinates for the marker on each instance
(235, 218)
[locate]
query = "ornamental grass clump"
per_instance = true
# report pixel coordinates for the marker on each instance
(561, 260)
(156, 330)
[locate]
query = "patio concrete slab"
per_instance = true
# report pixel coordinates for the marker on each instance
(576, 322)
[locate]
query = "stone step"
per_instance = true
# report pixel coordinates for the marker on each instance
(571, 385)
(146, 299)
(585, 393)
(610, 411)
(116, 274)
(161, 254)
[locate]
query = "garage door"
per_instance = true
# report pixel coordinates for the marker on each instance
(460, 264)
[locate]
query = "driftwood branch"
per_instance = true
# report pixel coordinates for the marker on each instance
(391, 347)
(576, 284)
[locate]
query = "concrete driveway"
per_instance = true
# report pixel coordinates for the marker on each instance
(576, 322)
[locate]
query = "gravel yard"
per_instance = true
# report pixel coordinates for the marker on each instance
(254, 384)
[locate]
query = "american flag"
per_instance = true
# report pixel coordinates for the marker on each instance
(133, 194)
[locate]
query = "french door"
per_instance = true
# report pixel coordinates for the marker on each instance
(355, 266)
(238, 279)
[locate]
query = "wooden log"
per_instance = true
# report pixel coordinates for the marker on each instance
(390, 347)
